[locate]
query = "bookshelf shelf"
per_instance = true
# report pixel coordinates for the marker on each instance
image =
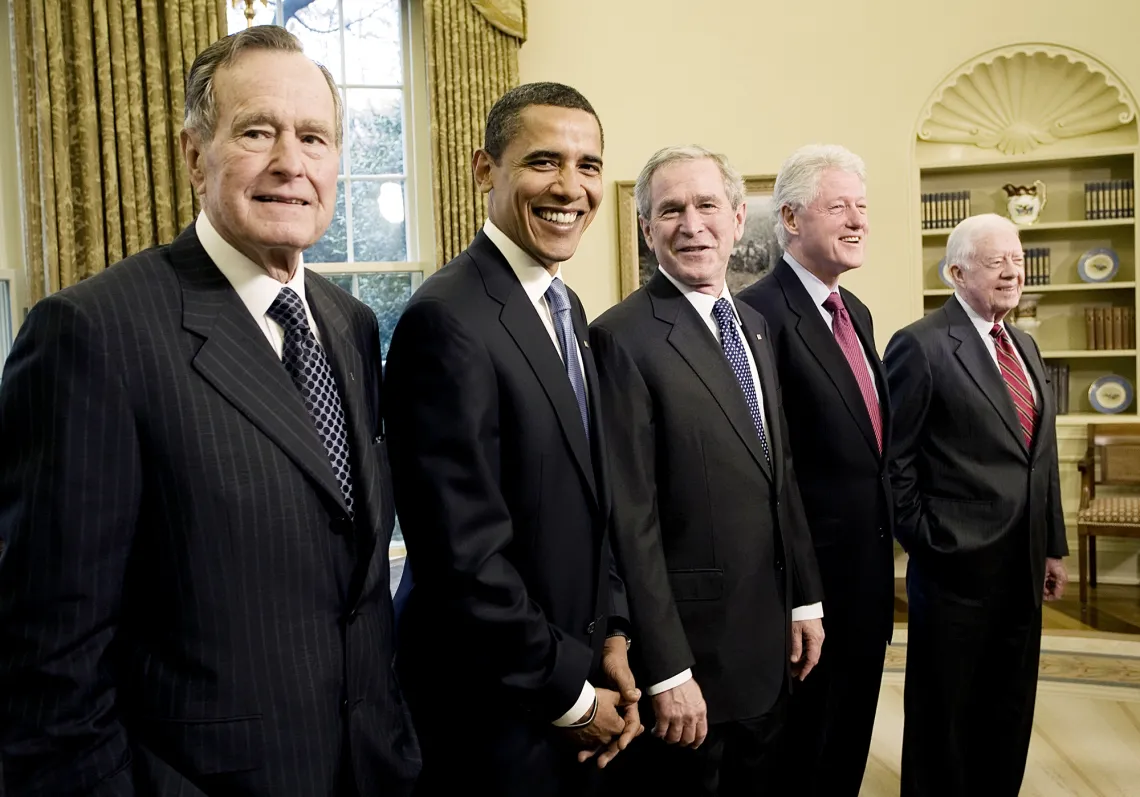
(1089, 354)
(1021, 161)
(1081, 224)
(1127, 285)
(1082, 418)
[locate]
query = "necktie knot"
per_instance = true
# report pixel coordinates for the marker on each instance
(289, 311)
(556, 295)
(997, 332)
(833, 303)
(722, 312)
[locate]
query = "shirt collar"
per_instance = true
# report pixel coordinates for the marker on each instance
(982, 325)
(254, 286)
(812, 284)
(534, 277)
(702, 302)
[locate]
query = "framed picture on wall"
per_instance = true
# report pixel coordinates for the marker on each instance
(755, 254)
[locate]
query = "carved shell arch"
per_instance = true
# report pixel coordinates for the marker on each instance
(1016, 99)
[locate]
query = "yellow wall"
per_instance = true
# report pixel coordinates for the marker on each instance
(757, 78)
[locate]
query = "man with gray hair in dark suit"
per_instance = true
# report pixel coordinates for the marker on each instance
(978, 509)
(194, 488)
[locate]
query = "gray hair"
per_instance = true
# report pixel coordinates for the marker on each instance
(962, 245)
(797, 184)
(733, 182)
(201, 108)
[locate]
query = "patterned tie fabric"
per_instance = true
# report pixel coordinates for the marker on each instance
(560, 308)
(848, 341)
(309, 367)
(1018, 383)
(734, 351)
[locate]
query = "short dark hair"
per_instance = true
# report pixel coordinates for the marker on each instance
(505, 118)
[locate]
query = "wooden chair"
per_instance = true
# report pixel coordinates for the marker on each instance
(1112, 459)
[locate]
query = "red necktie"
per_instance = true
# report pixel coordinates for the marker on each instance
(1017, 382)
(849, 342)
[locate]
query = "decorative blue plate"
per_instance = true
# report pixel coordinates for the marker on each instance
(944, 273)
(1098, 265)
(1110, 394)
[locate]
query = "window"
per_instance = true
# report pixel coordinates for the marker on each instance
(7, 314)
(373, 246)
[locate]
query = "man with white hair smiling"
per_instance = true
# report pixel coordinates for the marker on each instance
(835, 399)
(978, 509)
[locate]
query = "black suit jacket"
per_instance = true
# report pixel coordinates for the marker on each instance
(841, 473)
(974, 508)
(710, 536)
(185, 607)
(503, 500)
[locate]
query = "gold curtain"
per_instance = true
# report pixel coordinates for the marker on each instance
(472, 58)
(100, 87)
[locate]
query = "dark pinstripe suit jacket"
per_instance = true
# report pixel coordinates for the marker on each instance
(185, 607)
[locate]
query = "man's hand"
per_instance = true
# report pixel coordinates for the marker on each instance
(682, 717)
(1056, 577)
(607, 724)
(807, 644)
(615, 665)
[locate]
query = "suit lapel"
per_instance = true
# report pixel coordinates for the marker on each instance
(696, 344)
(821, 342)
(522, 323)
(975, 358)
(237, 360)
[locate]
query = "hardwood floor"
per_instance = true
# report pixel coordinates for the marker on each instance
(1112, 608)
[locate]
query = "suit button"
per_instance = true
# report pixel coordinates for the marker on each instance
(344, 706)
(590, 627)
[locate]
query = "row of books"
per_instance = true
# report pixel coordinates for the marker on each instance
(1038, 266)
(1059, 378)
(1109, 199)
(1108, 328)
(944, 210)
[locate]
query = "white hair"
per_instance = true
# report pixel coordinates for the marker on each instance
(733, 182)
(797, 184)
(962, 245)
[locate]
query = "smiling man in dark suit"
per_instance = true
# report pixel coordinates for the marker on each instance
(513, 637)
(194, 491)
(978, 509)
(835, 399)
(709, 527)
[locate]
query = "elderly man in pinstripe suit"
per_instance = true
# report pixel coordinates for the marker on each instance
(194, 489)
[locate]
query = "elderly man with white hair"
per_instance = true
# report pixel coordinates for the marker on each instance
(835, 399)
(978, 509)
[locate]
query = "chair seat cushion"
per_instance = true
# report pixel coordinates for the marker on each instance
(1117, 509)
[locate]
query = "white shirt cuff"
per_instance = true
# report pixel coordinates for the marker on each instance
(579, 709)
(812, 612)
(670, 683)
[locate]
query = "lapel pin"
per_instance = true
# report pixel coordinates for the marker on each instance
(758, 336)
(586, 343)
(351, 376)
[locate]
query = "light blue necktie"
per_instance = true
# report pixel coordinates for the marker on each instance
(734, 350)
(560, 309)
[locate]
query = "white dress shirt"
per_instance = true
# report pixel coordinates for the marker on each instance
(703, 303)
(253, 284)
(983, 326)
(536, 281)
(819, 293)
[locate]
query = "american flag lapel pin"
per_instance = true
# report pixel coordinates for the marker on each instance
(586, 343)
(758, 336)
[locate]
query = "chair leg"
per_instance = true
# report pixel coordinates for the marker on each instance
(1092, 560)
(1082, 566)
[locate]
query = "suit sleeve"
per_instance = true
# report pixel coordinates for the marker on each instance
(442, 417)
(909, 385)
(70, 479)
(662, 645)
(1056, 543)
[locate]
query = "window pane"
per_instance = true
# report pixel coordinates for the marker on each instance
(376, 131)
(386, 292)
(372, 42)
(6, 322)
(378, 233)
(235, 17)
(317, 24)
(333, 246)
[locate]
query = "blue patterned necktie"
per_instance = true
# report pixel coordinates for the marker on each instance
(309, 367)
(560, 309)
(734, 351)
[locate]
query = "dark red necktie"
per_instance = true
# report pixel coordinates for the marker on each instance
(1017, 381)
(848, 341)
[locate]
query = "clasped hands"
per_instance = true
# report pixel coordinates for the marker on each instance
(616, 721)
